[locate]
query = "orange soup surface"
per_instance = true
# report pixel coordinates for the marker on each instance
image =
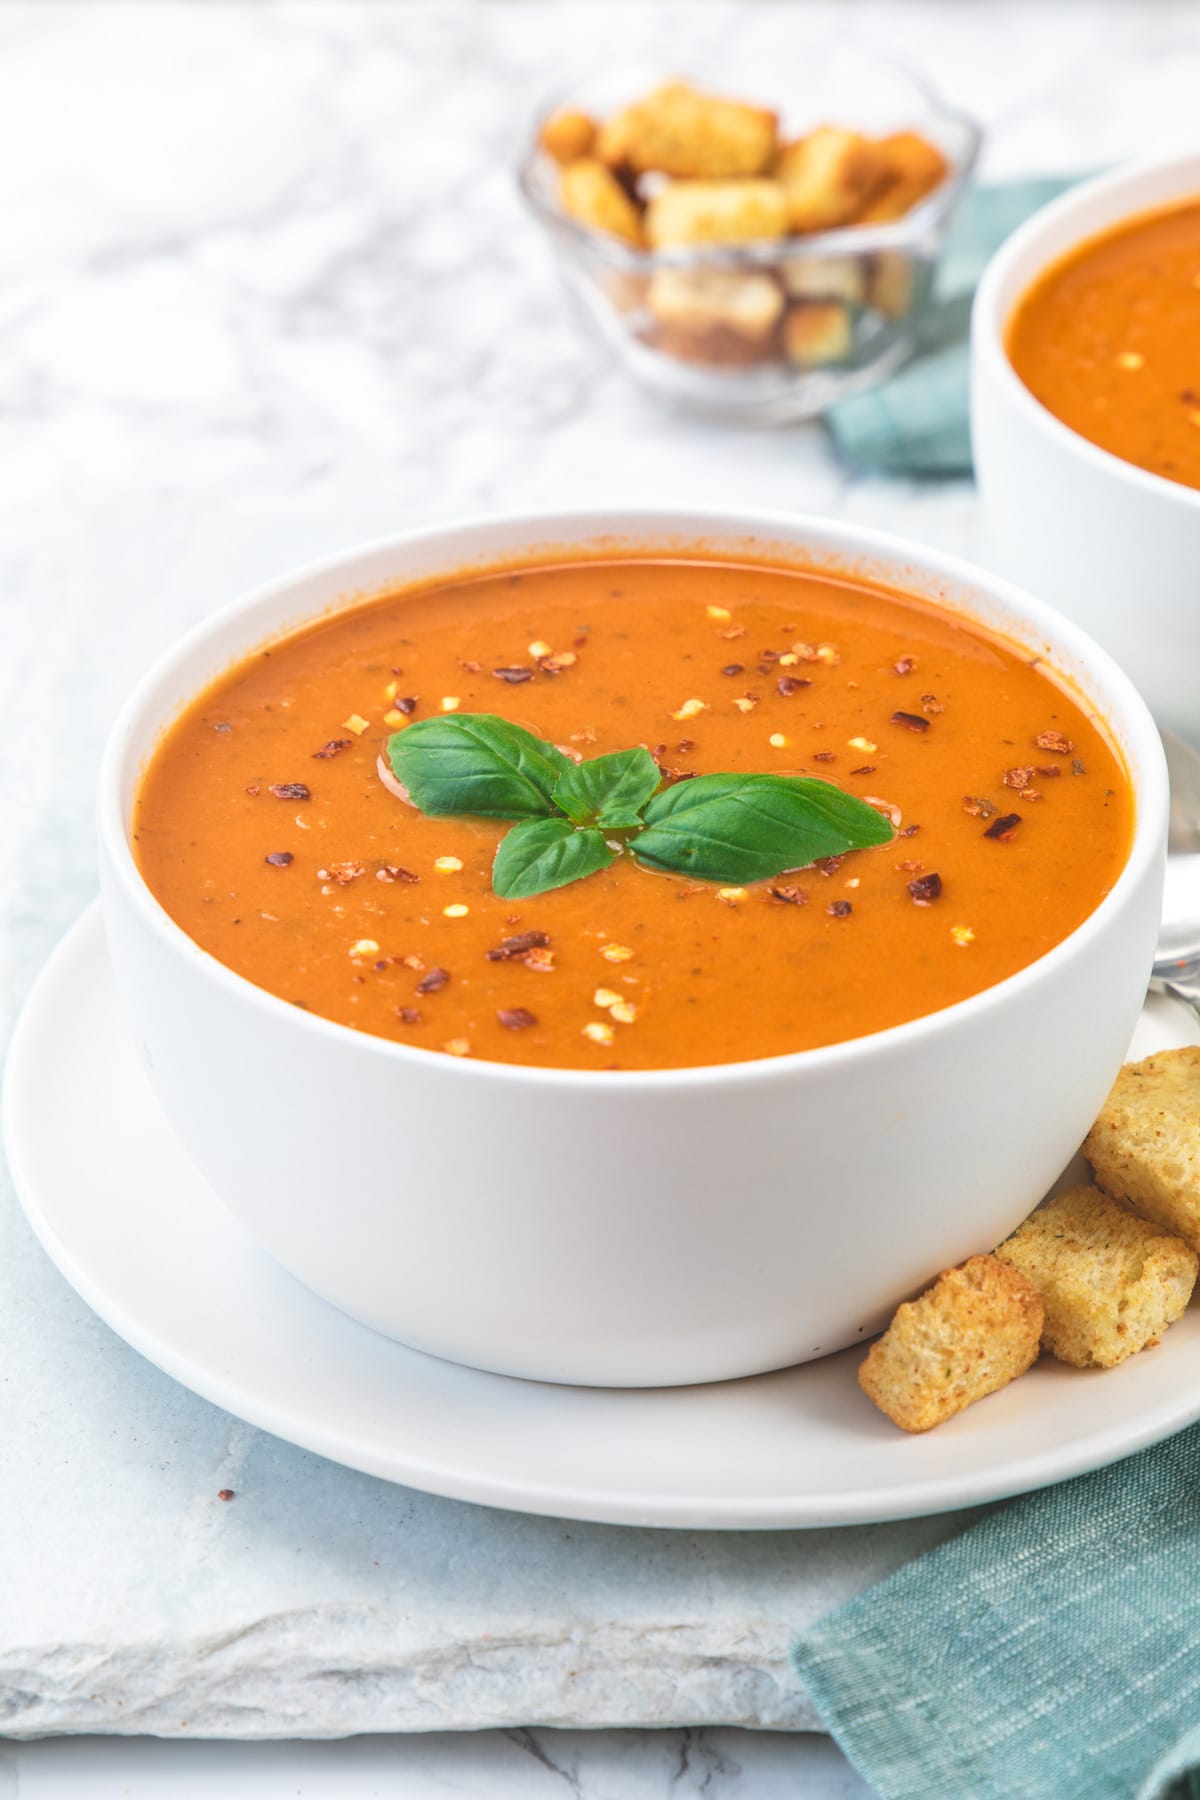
(265, 831)
(1109, 341)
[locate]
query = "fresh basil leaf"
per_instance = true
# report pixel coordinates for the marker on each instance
(609, 791)
(476, 763)
(750, 827)
(540, 854)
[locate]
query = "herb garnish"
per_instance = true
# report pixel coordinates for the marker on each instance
(573, 819)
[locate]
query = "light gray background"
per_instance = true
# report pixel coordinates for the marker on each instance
(265, 290)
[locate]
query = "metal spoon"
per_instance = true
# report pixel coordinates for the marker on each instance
(1177, 958)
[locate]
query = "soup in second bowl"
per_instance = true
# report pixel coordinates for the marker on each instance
(269, 826)
(1107, 339)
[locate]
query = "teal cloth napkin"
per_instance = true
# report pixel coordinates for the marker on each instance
(1051, 1652)
(916, 423)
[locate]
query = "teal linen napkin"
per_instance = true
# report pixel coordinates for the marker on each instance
(916, 423)
(1052, 1652)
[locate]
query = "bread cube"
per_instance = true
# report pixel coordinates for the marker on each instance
(1110, 1282)
(697, 299)
(975, 1330)
(828, 177)
(716, 212)
(890, 285)
(817, 332)
(681, 132)
(1145, 1145)
(593, 195)
(567, 136)
(825, 278)
(913, 167)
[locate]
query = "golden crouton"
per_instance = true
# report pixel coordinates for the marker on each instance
(975, 1330)
(890, 287)
(825, 278)
(1145, 1146)
(913, 167)
(816, 332)
(1111, 1282)
(696, 299)
(593, 195)
(566, 136)
(716, 212)
(678, 131)
(829, 176)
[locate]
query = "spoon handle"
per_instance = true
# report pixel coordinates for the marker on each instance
(1184, 986)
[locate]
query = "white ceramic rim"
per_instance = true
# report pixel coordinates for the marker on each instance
(1135, 731)
(989, 324)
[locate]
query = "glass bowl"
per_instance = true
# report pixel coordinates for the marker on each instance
(874, 278)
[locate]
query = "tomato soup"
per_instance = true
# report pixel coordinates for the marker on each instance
(265, 829)
(1109, 341)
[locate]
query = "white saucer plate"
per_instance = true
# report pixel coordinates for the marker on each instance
(121, 1211)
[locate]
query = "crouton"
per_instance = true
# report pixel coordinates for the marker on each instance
(593, 195)
(678, 131)
(975, 1330)
(567, 136)
(696, 299)
(890, 285)
(716, 212)
(825, 278)
(828, 177)
(1145, 1146)
(912, 168)
(1111, 1283)
(817, 332)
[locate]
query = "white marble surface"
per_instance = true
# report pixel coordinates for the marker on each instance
(265, 289)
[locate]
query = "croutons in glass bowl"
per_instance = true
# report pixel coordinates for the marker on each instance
(754, 258)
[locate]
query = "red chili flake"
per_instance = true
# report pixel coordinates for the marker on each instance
(905, 665)
(979, 808)
(839, 909)
(253, 788)
(926, 888)
(513, 676)
(1054, 741)
(828, 865)
(467, 663)
(289, 790)
(864, 769)
(733, 669)
(824, 756)
(390, 872)
(513, 949)
(791, 684)
(331, 749)
(931, 704)
(764, 668)
(1003, 828)
(1018, 777)
(910, 721)
(670, 774)
(686, 744)
(383, 963)
(406, 705)
(1077, 767)
(341, 872)
(408, 1015)
(909, 831)
(1049, 770)
(225, 1493)
(794, 896)
(279, 859)
(581, 642)
(434, 982)
(516, 1018)
(768, 655)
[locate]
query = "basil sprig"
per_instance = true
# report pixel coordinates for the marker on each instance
(573, 819)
